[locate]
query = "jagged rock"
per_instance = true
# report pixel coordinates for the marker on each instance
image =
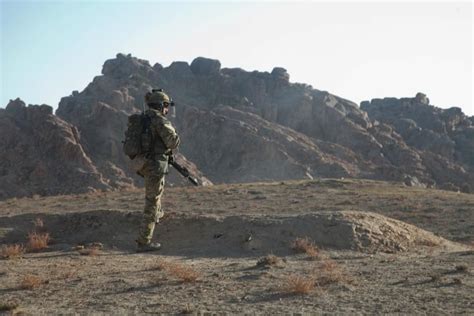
(42, 154)
(280, 73)
(126, 66)
(204, 66)
(422, 98)
(443, 138)
(413, 182)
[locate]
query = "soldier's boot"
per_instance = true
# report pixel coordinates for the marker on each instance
(152, 246)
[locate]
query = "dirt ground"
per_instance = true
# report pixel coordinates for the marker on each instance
(361, 247)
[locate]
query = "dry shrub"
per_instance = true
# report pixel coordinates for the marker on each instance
(330, 272)
(11, 251)
(37, 241)
(305, 245)
(183, 272)
(162, 265)
(30, 282)
(268, 260)
(298, 284)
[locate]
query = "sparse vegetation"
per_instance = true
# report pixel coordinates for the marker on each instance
(185, 273)
(330, 272)
(162, 265)
(232, 275)
(30, 282)
(298, 284)
(268, 260)
(182, 272)
(305, 245)
(37, 241)
(11, 251)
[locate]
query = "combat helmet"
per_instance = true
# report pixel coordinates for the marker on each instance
(158, 99)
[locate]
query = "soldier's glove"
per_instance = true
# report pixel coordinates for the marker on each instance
(171, 158)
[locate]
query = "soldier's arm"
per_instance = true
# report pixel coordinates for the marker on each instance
(168, 134)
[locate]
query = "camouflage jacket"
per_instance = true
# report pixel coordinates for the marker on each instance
(164, 136)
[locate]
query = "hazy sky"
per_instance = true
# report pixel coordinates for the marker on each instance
(357, 50)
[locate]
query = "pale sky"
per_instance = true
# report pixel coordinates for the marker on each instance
(356, 50)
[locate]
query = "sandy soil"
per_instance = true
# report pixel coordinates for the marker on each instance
(381, 248)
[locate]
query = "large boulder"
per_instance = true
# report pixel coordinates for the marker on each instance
(204, 66)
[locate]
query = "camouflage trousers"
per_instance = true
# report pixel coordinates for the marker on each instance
(154, 187)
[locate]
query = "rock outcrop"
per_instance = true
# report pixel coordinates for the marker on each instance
(42, 154)
(444, 139)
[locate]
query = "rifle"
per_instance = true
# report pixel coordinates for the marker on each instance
(183, 171)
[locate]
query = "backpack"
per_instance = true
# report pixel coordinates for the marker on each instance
(137, 136)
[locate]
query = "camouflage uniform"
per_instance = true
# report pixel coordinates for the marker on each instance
(154, 169)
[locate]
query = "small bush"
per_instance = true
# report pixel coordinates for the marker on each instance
(269, 260)
(297, 284)
(330, 272)
(11, 251)
(30, 282)
(37, 241)
(162, 265)
(183, 272)
(305, 245)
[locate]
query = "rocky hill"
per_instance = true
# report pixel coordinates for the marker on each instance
(240, 126)
(444, 139)
(42, 154)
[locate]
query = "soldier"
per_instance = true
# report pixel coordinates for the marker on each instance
(164, 139)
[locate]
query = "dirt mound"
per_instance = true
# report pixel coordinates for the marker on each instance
(231, 236)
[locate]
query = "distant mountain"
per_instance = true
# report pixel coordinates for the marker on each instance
(240, 126)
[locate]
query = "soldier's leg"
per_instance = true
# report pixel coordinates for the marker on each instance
(154, 185)
(159, 209)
